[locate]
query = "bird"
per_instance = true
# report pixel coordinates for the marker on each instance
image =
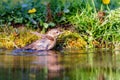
(46, 42)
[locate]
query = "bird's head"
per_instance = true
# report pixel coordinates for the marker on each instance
(54, 32)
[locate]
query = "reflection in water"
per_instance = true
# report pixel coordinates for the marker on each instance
(52, 65)
(31, 66)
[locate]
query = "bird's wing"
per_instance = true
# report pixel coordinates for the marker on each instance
(41, 44)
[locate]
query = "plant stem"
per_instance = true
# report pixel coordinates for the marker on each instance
(108, 8)
(94, 6)
(101, 8)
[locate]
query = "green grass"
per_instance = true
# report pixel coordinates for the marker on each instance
(89, 26)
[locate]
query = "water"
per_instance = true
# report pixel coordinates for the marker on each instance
(95, 64)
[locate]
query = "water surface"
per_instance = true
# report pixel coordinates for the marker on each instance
(97, 64)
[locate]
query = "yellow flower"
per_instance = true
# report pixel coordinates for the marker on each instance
(33, 10)
(106, 1)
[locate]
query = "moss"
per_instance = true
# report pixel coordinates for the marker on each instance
(71, 40)
(13, 38)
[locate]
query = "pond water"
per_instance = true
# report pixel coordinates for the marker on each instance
(97, 64)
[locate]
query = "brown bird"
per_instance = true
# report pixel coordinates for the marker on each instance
(46, 42)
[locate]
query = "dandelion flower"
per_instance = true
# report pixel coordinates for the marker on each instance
(33, 10)
(106, 1)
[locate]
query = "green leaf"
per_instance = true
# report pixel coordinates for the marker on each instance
(51, 24)
(45, 25)
(66, 10)
(41, 23)
(18, 20)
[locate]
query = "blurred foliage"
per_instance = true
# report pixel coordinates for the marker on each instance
(16, 11)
